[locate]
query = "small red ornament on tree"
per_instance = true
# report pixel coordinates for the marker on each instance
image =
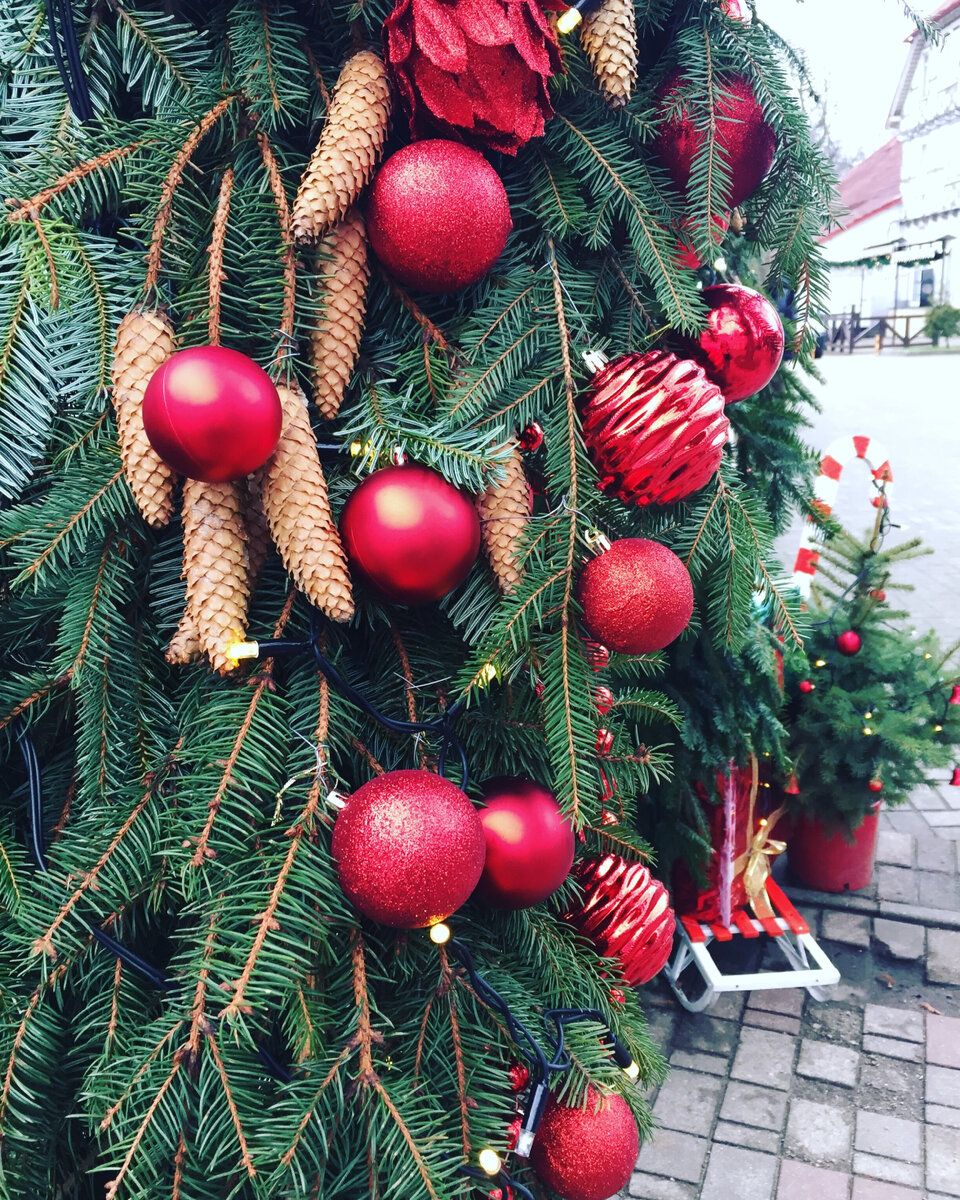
(409, 848)
(604, 743)
(626, 914)
(875, 785)
(411, 535)
(474, 70)
(212, 413)
(687, 254)
(742, 347)
(586, 1152)
(529, 842)
(807, 686)
(848, 642)
(438, 216)
(654, 426)
(636, 596)
(603, 699)
(531, 439)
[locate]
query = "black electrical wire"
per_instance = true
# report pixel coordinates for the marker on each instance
(503, 1178)
(66, 53)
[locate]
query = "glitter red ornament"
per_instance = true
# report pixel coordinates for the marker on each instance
(409, 848)
(745, 143)
(875, 785)
(654, 427)
(848, 642)
(410, 534)
(438, 216)
(687, 254)
(626, 914)
(529, 844)
(807, 686)
(636, 596)
(212, 413)
(586, 1152)
(742, 347)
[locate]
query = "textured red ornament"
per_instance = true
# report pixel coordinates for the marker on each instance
(604, 743)
(411, 535)
(848, 642)
(513, 1133)
(734, 9)
(637, 596)
(475, 70)
(603, 699)
(212, 413)
(409, 848)
(586, 1153)
(806, 686)
(654, 426)
(529, 844)
(598, 656)
(742, 347)
(744, 140)
(626, 914)
(532, 438)
(519, 1076)
(875, 785)
(438, 216)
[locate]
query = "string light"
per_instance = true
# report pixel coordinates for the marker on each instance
(568, 21)
(938, 729)
(867, 730)
(927, 655)
(490, 1159)
(821, 662)
(440, 934)
(868, 716)
(241, 650)
(633, 1071)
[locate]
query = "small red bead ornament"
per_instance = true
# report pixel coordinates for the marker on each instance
(532, 438)
(626, 914)
(792, 786)
(529, 844)
(807, 686)
(519, 1076)
(603, 699)
(438, 216)
(636, 596)
(410, 534)
(604, 744)
(409, 848)
(742, 347)
(212, 413)
(875, 785)
(586, 1152)
(654, 427)
(598, 656)
(848, 642)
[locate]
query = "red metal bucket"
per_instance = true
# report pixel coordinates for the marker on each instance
(826, 860)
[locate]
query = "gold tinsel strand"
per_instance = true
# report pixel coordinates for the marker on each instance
(144, 341)
(349, 147)
(505, 508)
(609, 38)
(336, 339)
(298, 512)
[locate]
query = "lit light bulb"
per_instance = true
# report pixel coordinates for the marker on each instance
(489, 1159)
(486, 675)
(568, 21)
(938, 729)
(239, 650)
(440, 934)
(821, 662)
(867, 730)
(633, 1071)
(928, 655)
(720, 264)
(868, 716)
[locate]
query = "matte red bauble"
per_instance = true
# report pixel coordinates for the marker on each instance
(848, 642)
(626, 914)
(875, 785)
(530, 844)
(438, 216)
(636, 597)
(742, 346)
(212, 413)
(744, 140)
(411, 535)
(586, 1153)
(409, 848)
(654, 427)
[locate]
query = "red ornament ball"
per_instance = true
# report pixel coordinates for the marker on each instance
(409, 534)
(586, 1152)
(529, 843)
(636, 597)
(212, 413)
(626, 914)
(654, 427)
(603, 699)
(848, 642)
(744, 140)
(875, 785)
(438, 216)
(806, 686)
(604, 743)
(409, 848)
(742, 347)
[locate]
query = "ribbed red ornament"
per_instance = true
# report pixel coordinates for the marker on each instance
(654, 426)
(626, 914)
(586, 1152)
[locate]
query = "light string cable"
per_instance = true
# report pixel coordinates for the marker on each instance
(66, 53)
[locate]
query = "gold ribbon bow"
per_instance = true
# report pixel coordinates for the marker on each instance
(762, 849)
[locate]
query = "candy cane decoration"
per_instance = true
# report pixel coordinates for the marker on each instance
(839, 453)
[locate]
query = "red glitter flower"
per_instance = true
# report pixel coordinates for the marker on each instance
(474, 70)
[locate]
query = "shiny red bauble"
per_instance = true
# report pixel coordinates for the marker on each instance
(626, 914)
(742, 346)
(586, 1152)
(212, 413)
(438, 216)
(848, 642)
(636, 597)
(806, 686)
(875, 785)
(530, 844)
(745, 142)
(409, 848)
(654, 427)
(409, 534)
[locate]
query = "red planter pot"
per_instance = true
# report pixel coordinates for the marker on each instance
(825, 860)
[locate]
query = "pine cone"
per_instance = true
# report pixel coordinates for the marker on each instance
(184, 646)
(609, 37)
(335, 341)
(144, 341)
(349, 147)
(504, 510)
(298, 511)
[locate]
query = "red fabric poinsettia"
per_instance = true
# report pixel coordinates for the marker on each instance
(475, 70)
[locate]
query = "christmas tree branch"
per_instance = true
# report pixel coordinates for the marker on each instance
(290, 1153)
(77, 666)
(51, 265)
(431, 332)
(418, 1057)
(471, 389)
(51, 981)
(114, 1108)
(286, 236)
(114, 1006)
(41, 693)
(449, 986)
(245, 1157)
(542, 385)
(113, 1186)
(217, 275)
(407, 1137)
(26, 209)
(16, 316)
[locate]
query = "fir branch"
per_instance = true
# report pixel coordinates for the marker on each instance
(286, 236)
(113, 1185)
(54, 685)
(245, 1158)
(215, 252)
(114, 1108)
(449, 986)
(51, 263)
(27, 209)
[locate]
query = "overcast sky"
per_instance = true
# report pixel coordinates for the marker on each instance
(856, 48)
